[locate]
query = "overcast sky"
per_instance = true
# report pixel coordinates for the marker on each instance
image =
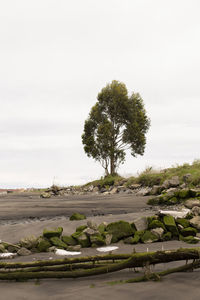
(56, 56)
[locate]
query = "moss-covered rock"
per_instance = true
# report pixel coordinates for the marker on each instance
(69, 240)
(2, 248)
(137, 236)
(29, 242)
(149, 237)
(183, 222)
(43, 245)
(167, 236)
(81, 228)
(189, 231)
(77, 216)
(82, 239)
(48, 233)
(189, 239)
(156, 224)
(119, 230)
(170, 225)
(101, 228)
(154, 201)
(130, 240)
(183, 194)
(172, 201)
(97, 239)
(56, 241)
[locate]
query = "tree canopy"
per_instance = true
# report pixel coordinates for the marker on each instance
(116, 123)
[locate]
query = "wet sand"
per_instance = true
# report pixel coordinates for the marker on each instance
(25, 214)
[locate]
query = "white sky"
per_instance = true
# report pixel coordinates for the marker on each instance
(56, 55)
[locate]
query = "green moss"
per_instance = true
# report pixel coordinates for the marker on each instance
(137, 236)
(133, 227)
(167, 236)
(48, 233)
(183, 194)
(189, 231)
(183, 222)
(43, 245)
(77, 216)
(55, 241)
(156, 224)
(81, 228)
(170, 225)
(189, 239)
(97, 239)
(82, 239)
(119, 230)
(101, 228)
(149, 237)
(69, 240)
(153, 201)
(172, 201)
(151, 218)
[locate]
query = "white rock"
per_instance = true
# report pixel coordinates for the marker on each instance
(7, 255)
(64, 252)
(174, 213)
(107, 249)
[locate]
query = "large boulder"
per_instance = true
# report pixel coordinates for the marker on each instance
(196, 210)
(119, 230)
(173, 182)
(170, 224)
(141, 223)
(189, 231)
(23, 252)
(183, 222)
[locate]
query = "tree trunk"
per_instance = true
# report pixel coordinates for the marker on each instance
(112, 165)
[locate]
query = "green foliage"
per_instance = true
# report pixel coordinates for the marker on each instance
(115, 122)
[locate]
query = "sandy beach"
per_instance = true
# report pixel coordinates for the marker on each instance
(25, 214)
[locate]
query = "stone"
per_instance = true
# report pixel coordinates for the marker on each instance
(195, 222)
(56, 241)
(77, 216)
(69, 240)
(90, 231)
(114, 190)
(52, 232)
(129, 240)
(102, 227)
(149, 237)
(135, 186)
(43, 245)
(141, 223)
(23, 252)
(74, 248)
(144, 191)
(2, 249)
(97, 239)
(13, 248)
(81, 228)
(189, 239)
(92, 224)
(156, 224)
(173, 182)
(183, 222)
(82, 239)
(174, 213)
(186, 177)
(29, 242)
(192, 202)
(189, 231)
(45, 195)
(108, 238)
(167, 236)
(170, 224)
(156, 189)
(119, 230)
(52, 249)
(183, 194)
(158, 232)
(196, 210)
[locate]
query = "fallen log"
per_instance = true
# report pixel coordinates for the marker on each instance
(19, 271)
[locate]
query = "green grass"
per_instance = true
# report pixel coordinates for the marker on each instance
(106, 181)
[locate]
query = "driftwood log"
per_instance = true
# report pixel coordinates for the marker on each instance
(100, 264)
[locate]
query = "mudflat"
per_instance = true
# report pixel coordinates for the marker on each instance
(26, 213)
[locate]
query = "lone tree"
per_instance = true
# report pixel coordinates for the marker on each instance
(115, 124)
